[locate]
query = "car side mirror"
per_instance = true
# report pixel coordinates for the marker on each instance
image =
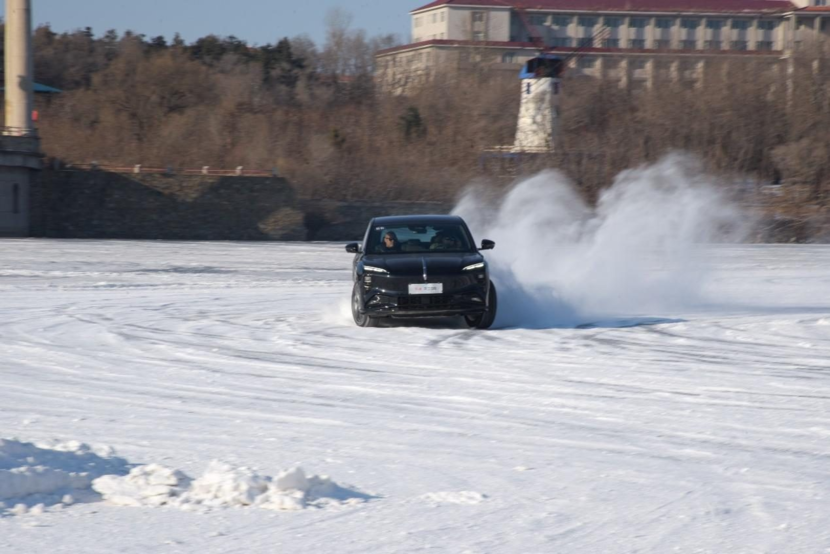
(353, 248)
(487, 244)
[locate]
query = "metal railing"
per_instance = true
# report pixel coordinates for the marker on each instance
(30, 132)
(19, 141)
(239, 171)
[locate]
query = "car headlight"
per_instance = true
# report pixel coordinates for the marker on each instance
(474, 266)
(374, 269)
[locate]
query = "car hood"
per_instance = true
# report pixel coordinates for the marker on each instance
(413, 264)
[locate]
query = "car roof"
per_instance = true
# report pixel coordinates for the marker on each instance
(392, 220)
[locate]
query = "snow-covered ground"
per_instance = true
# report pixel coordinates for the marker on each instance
(704, 428)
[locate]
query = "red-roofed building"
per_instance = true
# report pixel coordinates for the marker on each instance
(634, 41)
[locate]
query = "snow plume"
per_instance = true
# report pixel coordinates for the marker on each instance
(559, 262)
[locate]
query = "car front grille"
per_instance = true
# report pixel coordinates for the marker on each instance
(430, 302)
(401, 284)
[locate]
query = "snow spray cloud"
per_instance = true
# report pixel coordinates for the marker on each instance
(559, 262)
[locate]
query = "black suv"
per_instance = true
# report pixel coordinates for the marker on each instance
(421, 266)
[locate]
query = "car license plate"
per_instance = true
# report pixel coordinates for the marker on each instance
(426, 288)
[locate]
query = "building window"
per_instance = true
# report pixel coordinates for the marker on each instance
(821, 3)
(637, 64)
(764, 45)
(417, 22)
(662, 44)
(587, 42)
(508, 57)
(767, 25)
(478, 17)
(613, 22)
(587, 63)
(638, 22)
(689, 23)
(611, 43)
(587, 21)
(638, 43)
(561, 21)
(443, 16)
(740, 24)
(688, 44)
(664, 23)
(561, 42)
(739, 45)
(713, 45)
(715, 24)
(538, 20)
(478, 36)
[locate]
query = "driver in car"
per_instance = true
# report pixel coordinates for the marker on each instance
(390, 242)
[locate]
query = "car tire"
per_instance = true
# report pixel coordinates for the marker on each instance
(485, 320)
(361, 320)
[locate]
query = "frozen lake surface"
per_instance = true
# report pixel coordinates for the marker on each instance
(705, 429)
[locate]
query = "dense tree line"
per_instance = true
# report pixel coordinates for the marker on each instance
(316, 113)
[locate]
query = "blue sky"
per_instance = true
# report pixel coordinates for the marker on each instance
(257, 21)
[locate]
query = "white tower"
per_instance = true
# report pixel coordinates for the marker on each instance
(538, 126)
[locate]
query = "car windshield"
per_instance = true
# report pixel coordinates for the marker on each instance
(403, 239)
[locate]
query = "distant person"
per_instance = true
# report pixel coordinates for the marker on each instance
(390, 243)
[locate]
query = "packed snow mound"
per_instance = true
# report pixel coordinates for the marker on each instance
(150, 485)
(50, 473)
(223, 486)
(34, 476)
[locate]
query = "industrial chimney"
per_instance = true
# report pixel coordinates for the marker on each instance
(20, 159)
(19, 67)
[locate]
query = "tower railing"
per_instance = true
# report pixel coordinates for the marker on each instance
(15, 139)
(18, 131)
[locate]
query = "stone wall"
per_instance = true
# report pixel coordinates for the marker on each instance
(103, 205)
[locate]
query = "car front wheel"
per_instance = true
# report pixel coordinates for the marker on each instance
(362, 320)
(485, 320)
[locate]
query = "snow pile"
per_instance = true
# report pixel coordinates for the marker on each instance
(560, 262)
(222, 486)
(150, 485)
(34, 475)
